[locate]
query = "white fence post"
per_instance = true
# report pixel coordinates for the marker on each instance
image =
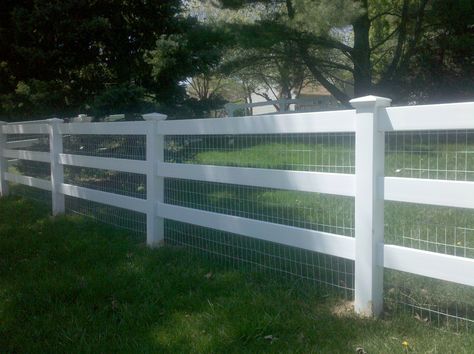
(57, 170)
(3, 163)
(155, 232)
(369, 205)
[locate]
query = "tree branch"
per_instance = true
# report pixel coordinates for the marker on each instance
(383, 41)
(312, 67)
(383, 14)
(402, 34)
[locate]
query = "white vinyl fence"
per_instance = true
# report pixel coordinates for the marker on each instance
(370, 121)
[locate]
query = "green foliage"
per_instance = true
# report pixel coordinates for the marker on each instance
(69, 57)
(123, 98)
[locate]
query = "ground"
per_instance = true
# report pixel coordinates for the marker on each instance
(71, 285)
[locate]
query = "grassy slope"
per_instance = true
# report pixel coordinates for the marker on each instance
(68, 285)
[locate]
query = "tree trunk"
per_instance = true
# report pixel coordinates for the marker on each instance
(361, 54)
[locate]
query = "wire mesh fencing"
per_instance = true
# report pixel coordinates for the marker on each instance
(131, 147)
(446, 155)
(299, 152)
(114, 146)
(331, 152)
(29, 142)
(240, 252)
(435, 302)
(132, 221)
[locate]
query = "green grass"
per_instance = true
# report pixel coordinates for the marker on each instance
(70, 285)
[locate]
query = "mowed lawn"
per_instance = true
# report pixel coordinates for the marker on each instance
(71, 285)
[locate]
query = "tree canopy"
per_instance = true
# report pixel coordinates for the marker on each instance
(407, 50)
(114, 56)
(99, 57)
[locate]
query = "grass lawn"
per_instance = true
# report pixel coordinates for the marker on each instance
(70, 285)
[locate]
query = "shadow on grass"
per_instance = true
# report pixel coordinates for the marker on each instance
(69, 285)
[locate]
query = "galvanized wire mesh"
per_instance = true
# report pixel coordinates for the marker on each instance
(237, 251)
(35, 169)
(431, 154)
(306, 210)
(117, 146)
(447, 155)
(431, 228)
(130, 184)
(130, 220)
(36, 194)
(30, 142)
(432, 301)
(124, 183)
(299, 152)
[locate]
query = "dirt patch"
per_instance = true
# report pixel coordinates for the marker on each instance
(343, 309)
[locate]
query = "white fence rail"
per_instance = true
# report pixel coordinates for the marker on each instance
(369, 121)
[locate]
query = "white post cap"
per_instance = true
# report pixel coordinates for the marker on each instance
(154, 116)
(370, 102)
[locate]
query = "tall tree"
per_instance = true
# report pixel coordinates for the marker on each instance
(375, 45)
(64, 57)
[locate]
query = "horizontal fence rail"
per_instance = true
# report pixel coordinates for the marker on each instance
(29, 181)
(22, 143)
(120, 128)
(25, 129)
(116, 200)
(434, 265)
(458, 194)
(453, 116)
(27, 155)
(320, 122)
(104, 163)
(369, 186)
(323, 242)
(328, 183)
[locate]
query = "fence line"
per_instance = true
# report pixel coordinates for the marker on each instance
(370, 120)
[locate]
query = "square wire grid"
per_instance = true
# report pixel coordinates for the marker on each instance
(245, 253)
(131, 147)
(329, 152)
(300, 152)
(29, 142)
(439, 303)
(123, 183)
(446, 155)
(130, 220)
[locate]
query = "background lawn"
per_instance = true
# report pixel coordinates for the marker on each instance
(70, 285)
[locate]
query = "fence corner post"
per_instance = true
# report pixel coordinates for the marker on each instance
(57, 169)
(155, 189)
(3, 162)
(369, 205)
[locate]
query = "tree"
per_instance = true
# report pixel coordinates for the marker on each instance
(66, 57)
(272, 73)
(374, 45)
